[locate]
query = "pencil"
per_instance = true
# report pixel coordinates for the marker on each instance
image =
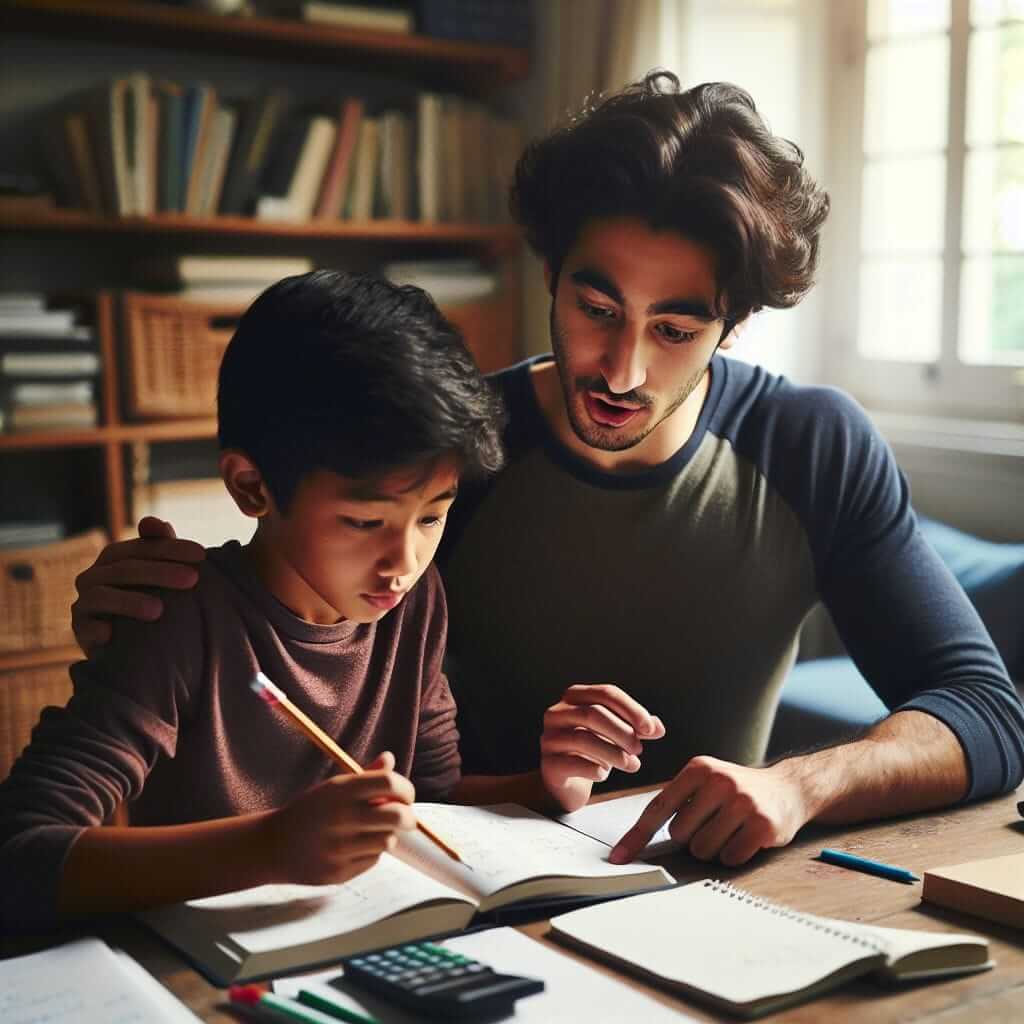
(275, 698)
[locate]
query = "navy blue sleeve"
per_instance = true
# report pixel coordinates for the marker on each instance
(903, 617)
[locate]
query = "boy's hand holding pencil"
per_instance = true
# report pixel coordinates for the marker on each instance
(339, 828)
(353, 841)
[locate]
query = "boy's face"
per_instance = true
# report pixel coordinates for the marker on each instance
(632, 329)
(352, 548)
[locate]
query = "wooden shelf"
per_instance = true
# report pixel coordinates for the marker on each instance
(165, 430)
(438, 62)
(495, 237)
(11, 660)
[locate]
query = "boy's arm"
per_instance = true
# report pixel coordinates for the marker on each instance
(329, 834)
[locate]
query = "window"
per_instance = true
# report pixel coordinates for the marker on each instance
(927, 266)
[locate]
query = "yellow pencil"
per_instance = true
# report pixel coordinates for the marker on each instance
(275, 698)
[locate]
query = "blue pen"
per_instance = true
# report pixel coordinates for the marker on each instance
(872, 867)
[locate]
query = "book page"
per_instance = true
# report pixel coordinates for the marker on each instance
(609, 820)
(277, 916)
(84, 982)
(505, 844)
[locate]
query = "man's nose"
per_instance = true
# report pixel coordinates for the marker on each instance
(623, 366)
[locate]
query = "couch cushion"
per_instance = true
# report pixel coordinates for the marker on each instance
(993, 576)
(823, 701)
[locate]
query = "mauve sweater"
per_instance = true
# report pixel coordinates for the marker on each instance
(163, 717)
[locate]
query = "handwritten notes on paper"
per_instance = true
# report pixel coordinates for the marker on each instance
(84, 982)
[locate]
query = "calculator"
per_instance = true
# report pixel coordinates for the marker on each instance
(437, 982)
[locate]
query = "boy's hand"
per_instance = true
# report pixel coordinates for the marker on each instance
(590, 731)
(339, 828)
(156, 559)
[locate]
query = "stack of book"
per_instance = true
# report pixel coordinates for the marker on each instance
(138, 146)
(380, 17)
(48, 366)
(237, 280)
(448, 282)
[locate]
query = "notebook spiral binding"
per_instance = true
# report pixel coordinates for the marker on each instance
(734, 892)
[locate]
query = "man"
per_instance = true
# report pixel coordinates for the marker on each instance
(667, 517)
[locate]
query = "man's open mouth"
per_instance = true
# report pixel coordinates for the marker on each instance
(609, 413)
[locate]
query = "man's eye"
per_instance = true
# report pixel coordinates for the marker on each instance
(675, 335)
(360, 524)
(595, 312)
(432, 521)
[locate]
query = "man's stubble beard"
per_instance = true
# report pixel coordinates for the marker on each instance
(585, 429)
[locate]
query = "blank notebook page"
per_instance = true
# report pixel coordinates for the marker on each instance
(718, 940)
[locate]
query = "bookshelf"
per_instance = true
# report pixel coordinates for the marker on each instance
(97, 458)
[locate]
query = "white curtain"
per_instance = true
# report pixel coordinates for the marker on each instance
(585, 47)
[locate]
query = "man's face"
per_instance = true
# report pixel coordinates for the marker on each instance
(351, 549)
(632, 329)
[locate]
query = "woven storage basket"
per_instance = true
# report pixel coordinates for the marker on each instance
(37, 586)
(24, 692)
(173, 349)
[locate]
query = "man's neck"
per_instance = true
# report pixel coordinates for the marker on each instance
(659, 446)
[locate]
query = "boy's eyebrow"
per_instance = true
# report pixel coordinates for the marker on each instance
(591, 278)
(368, 494)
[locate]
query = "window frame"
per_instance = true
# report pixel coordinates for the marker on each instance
(945, 386)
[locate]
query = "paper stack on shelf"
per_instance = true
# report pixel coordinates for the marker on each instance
(223, 279)
(48, 364)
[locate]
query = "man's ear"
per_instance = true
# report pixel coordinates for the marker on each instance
(245, 483)
(734, 332)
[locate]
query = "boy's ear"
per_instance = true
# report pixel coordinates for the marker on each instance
(245, 483)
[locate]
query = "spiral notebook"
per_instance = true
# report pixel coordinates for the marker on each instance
(739, 953)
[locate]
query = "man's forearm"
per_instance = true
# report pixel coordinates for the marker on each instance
(908, 762)
(123, 869)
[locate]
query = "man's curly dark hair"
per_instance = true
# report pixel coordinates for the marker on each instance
(699, 162)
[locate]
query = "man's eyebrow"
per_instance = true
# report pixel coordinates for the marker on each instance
(596, 280)
(680, 306)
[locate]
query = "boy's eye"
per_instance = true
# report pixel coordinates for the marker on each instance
(360, 524)
(675, 335)
(432, 521)
(595, 312)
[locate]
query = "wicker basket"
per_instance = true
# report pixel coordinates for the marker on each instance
(24, 692)
(173, 350)
(37, 586)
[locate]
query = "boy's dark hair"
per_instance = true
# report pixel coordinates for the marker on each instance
(701, 163)
(353, 374)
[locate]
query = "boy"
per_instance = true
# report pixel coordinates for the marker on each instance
(348, 410)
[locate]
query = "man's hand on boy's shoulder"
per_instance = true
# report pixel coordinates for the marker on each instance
(156, 559)
(591, 730)
(339, 828)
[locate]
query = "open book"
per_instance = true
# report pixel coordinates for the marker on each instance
(749, 957)
(515, 856)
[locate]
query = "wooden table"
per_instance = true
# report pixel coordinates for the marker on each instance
(792, 876)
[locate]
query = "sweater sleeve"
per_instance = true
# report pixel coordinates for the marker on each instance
(84, 759)
(437, 766)
(903, 617)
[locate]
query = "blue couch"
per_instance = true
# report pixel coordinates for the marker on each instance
(827, 698)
